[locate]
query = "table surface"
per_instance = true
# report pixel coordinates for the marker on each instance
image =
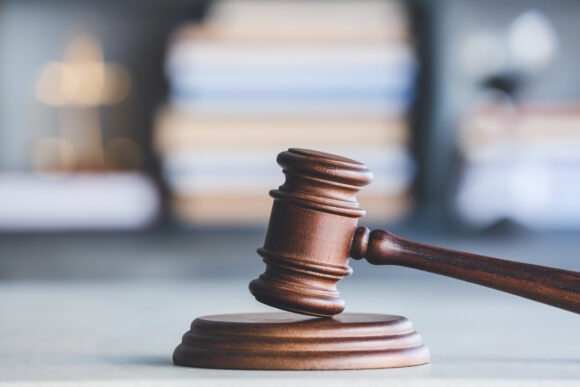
(124, 332)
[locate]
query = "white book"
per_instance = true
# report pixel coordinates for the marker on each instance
(255, 169)
(376, 81)
(229, 107)
(193, 53)
(195, 183)
(371, 156)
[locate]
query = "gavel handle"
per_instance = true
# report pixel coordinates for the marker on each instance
(556, 287)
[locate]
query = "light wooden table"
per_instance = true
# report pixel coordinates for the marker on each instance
(123, 334)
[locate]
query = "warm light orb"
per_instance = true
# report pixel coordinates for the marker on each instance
(83, 78)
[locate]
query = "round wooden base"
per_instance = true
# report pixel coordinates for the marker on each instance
(287, 341)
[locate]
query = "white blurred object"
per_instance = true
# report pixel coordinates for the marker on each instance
(537, 196)
(521, 164)
(532, 41)
(195, 171)
(56, 201)
(528, 45)
(482, 54)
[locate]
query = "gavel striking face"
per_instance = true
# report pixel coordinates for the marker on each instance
(313, 231)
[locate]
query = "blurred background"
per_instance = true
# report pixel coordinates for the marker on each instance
(138, 138)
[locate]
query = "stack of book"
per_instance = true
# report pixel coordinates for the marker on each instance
(257, 77)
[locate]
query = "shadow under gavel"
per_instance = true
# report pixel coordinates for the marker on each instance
(313, 232)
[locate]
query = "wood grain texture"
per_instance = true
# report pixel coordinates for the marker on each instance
(285, 341)
(310, 238)
(556, 287)
(311, 224)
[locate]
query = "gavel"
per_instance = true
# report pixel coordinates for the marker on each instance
(313, 231)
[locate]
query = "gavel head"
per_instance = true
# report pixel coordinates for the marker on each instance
(314, 216)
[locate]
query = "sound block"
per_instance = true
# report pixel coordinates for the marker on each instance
(287, 341)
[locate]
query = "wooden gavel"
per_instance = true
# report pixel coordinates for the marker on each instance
(313, 231)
